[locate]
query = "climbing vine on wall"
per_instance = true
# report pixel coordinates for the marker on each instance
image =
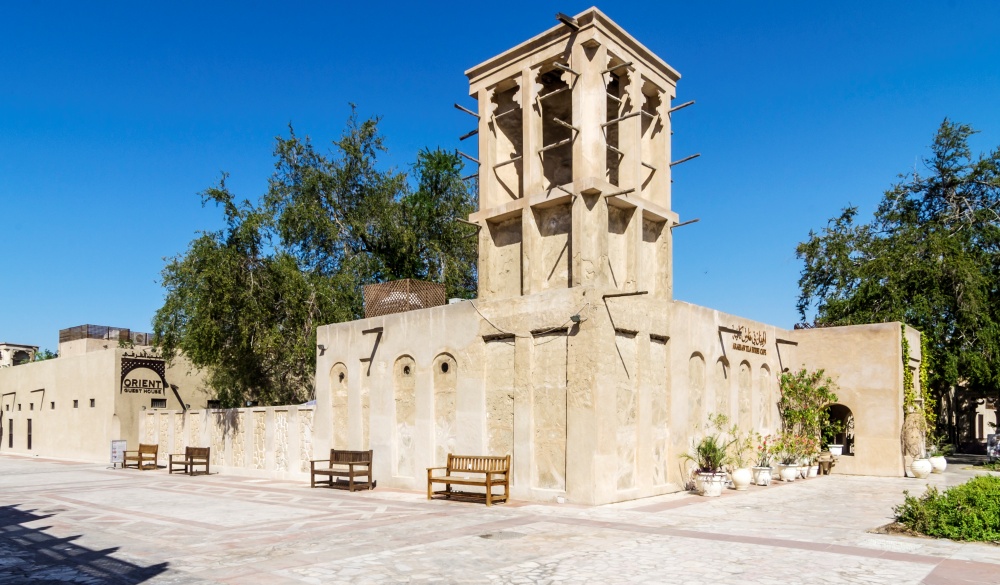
(930, 414)
(909, 392)
(909, 395)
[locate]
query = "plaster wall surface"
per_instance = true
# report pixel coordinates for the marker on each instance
(866, 362)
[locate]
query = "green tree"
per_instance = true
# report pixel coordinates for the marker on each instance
(244, 302)
(930, 257)
(45, 354)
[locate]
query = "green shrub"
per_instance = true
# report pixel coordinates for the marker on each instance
(970, 511)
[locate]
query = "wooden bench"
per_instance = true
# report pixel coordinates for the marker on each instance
(344, 464)
(189, 459)
(489, 471)
(142, 458)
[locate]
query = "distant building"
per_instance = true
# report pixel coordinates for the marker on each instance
(74, 405)
(13, 354)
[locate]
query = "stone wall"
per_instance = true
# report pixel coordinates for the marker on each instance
(274, 442)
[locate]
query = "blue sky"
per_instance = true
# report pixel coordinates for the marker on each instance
(113, 116)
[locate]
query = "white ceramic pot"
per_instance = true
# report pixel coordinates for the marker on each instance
(762, 475)
(788, 472)
(813, 470)
(803, 471)
(938, 464)
(712, 484)
(835, 449)
(921, 468)
(742, 478)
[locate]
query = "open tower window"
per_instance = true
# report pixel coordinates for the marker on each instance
(619, 105)
(653, 151)
(555, 104)
(507, 125)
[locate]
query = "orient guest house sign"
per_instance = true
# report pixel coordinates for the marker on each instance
(143, 375)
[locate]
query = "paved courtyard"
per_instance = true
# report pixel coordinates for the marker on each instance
(66, 522)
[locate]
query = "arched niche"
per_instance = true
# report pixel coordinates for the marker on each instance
(767, 405)
(844, 417)
(744, 381)
(720, 381)
(338, 399)
(404, 374)
(445, 368)
(696, 388)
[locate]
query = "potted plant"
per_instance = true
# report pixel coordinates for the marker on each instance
(937, 449)
(786, 449)
(811, 448)
(762, 470)
(741, 450)
(710, 456)
(831, 431)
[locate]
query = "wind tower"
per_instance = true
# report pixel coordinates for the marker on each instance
(574, 163)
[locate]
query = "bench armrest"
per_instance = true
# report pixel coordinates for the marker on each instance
(319, 461)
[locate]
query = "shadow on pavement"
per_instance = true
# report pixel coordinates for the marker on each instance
(29, 555)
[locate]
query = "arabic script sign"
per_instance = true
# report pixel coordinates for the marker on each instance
(749, 340)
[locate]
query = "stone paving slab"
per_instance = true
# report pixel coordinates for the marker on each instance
(80, 523)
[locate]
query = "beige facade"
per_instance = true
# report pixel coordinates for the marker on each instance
(74, 405)
(575, 359)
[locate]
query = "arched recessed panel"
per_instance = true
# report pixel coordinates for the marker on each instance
(720, 383)
(404, 393)
(445, 431)
(745, 403)
(766, 408)
(338, 398)
(696, 388)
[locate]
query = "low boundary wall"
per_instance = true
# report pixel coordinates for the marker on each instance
(274, 442)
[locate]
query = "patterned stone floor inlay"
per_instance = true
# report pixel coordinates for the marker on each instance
(85, 524)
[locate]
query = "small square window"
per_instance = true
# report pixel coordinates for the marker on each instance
(52, 406)
(92, 403)
(158, 403)
(31, 406)
(76, 404)
(18, 406)
(215, 404)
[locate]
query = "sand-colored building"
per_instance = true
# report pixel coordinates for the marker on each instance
(575, 358)
(73, 406)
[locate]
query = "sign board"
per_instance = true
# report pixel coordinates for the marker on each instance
(143, 375)
(117, 452)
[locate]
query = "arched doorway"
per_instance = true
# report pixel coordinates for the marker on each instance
(842, 419)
